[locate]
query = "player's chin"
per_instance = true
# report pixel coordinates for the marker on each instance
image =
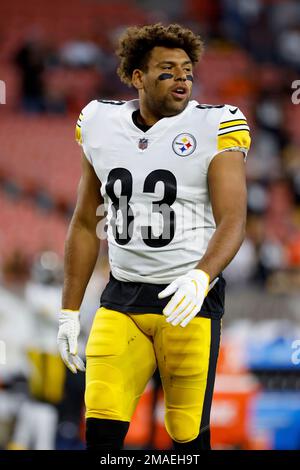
(177, 105)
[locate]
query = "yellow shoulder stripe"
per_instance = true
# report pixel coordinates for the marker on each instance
(78, 135)
(234, 122)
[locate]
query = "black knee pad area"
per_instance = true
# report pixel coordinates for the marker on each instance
(105, 434)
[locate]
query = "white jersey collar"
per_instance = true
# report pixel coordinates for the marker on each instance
(131, 106)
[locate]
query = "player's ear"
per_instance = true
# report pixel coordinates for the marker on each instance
(137, 79)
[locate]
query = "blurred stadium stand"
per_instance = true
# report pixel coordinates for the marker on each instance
(54, 59)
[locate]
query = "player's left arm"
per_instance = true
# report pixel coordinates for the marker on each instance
(228, 196)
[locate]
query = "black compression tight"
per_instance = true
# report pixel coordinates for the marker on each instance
(105, 434)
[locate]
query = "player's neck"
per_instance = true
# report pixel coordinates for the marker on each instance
(146, 118)
(139, 122)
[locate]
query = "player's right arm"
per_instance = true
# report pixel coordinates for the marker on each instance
(82, 244)
(81, 252)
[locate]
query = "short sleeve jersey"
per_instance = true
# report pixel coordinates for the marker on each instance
(154, 183)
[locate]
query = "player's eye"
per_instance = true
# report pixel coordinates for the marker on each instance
(167, 67)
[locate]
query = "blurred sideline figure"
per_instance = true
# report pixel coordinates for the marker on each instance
(39, 416)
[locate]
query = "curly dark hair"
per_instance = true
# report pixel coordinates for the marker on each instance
(136, 44)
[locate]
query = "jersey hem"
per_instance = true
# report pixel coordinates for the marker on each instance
(144, 310)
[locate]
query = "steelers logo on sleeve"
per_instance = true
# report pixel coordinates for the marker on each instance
(184, 144)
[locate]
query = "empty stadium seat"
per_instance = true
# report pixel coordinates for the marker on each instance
(17, 220)
(40, 153)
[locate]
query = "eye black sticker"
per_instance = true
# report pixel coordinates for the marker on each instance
(167, 76)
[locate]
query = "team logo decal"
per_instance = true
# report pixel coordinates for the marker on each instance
(184, 144)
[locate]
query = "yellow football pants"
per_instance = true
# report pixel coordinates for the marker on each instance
(122, 353)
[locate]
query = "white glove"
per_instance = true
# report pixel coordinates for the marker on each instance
(191, 290)
(68, 332)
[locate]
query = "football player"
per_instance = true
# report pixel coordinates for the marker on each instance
(171, 174)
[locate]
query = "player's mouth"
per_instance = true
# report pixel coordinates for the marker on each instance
(180, 92)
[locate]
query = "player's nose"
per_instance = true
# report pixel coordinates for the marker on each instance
(180, 75)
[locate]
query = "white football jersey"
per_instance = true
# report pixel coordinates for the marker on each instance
(154, 183)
